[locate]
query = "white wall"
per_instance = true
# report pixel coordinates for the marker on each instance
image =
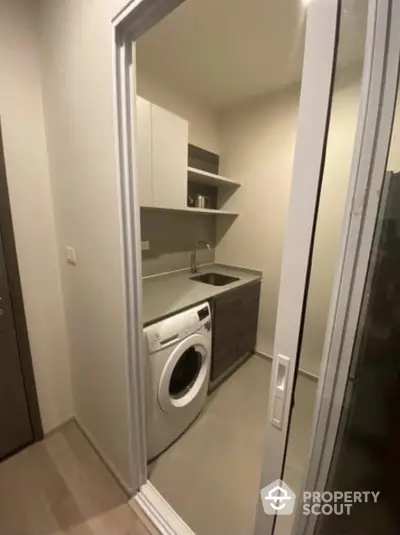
(257, 147)
(78, 95)
(203, 121)
(172, 237)
(29, 188)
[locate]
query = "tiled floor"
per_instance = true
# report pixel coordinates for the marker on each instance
(60, 486)
(211, 474)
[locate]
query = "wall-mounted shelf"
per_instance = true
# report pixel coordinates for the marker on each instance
(210, 179)
(211, 211)
(206, 211)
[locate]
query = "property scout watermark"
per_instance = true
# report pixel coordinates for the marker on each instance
(279, 499)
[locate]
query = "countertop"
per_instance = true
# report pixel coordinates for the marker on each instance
(167, 294)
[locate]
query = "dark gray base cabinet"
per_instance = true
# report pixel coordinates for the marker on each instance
(235, 319)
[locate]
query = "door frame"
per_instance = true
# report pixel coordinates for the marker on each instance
(15, 290)
(131, 22)
(380, 87)
(127, 25)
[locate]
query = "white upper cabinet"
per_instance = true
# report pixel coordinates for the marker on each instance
(169, 157)
(143, 129)
(162, 156)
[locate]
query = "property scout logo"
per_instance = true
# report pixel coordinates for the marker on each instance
(279, 499)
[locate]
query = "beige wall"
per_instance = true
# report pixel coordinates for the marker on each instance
(203, 122)
(257, 142)
(330, 220)
(78, 94)
(172, 237)
(257, 147)
(29, 187)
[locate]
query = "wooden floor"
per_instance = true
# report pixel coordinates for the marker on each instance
(61, 486)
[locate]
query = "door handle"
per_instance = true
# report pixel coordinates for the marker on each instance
(279, 387)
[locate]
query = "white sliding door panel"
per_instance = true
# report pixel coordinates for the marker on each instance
(319, 55)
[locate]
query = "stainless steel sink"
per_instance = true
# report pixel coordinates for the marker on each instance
(216, 279)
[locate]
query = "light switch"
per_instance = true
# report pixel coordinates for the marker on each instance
(71, 255)
(145, 245)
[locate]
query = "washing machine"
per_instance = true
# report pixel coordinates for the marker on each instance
(178, 372)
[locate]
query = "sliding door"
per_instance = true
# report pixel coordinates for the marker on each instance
(341, 53)
(357, 439)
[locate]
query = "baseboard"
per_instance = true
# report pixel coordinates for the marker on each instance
(263, 355)
(213, 385)
(306, 373)
(114, 472)
(58, 427)
(158, 512)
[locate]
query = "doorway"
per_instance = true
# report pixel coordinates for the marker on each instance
(20, 422)
(316, 108)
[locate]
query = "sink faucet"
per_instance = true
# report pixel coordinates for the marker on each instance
(193, 261)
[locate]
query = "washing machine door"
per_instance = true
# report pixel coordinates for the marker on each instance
(186, 374)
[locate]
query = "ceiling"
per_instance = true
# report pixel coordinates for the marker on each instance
(226, 51)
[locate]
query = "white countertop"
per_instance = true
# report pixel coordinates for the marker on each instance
(167, 294)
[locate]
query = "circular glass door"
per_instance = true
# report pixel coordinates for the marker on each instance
(185, 373)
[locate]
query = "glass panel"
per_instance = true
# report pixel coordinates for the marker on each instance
(366, 455)
(185, 373)
(339, 152)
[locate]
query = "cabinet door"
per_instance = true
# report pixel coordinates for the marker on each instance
(226, 323)
(143, 126)
(169, 156)
(235, 327)
(249, 307)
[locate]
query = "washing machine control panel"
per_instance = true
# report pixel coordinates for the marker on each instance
(203, 313)
(176, 328)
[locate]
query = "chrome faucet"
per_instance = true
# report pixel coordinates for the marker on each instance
(193, 260)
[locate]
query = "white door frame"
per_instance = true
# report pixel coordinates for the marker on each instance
(127, 26)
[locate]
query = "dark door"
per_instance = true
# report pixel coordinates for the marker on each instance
(15, 425)
(20, 422)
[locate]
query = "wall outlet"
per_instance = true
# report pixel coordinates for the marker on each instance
(71, 255)
(145, 245)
